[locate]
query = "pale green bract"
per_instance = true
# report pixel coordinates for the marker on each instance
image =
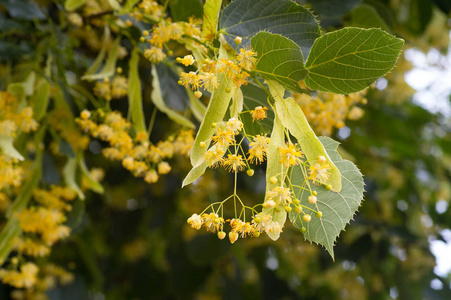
(337, 208)
(135, 108)
(275, 169)
(280, 59)
(217, 108)
(245, 18)
(350, 59)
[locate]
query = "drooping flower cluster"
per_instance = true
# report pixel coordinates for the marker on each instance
(206, 77)
(137, 154)
(327, 111)
(108, 89)
(14, 118)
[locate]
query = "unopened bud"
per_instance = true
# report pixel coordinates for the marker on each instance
(319, 214)
(250, 172)
(312, 199)
(233, 236)
(321, 159)
(197, 94)
(202, 144)
(306, 218)
(221, 235)
(238, 40)
(228, 90)
(273, 180)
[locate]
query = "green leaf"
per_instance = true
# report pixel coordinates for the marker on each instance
(337, 208)
(332, 8)
(279, 59)
(71, 5)
(216, 110)
(293, 118)
(40, 99)
(182, 10)
(135, 94)
(69, 173)
(109, 68)
(157, 99)
(245, 18)
(17, 90)
(254, 96)
(351, 59)
(211, 16)
(366, 16)
(7, 147)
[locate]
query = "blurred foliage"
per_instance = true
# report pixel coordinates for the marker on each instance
(133, 242)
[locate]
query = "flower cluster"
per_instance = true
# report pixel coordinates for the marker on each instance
(13, 117)
(166, 30)
(137, 154)
(206, 76)
(327, 111)
(108, 90)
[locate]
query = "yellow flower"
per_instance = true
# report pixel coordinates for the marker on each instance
(195, 221)
(228, 67)
(209, 81)
(212, 222)
(188, 60)
(319, 172)
(290, 156)
(214, 156)
(234, 163)
(192, 28)
(175, 31)
(257, 152)
(190, 78)
(246, 58)
(234, 124)
(223, 137)
(259, 113)
(26, 278)
(280, 195)
(151, 176)
(240, 79)
(102, 90)
(154, 54)
(164, 168)
(119, 87)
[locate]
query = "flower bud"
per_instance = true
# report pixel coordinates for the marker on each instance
(238, 40)
(233, 236)
(197, 94)
(306, 218)
(312, 199)
(319, 214)
(250, 172)
(221, 235)
(273, 180)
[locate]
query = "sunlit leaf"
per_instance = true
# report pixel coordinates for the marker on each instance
(351, 59)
